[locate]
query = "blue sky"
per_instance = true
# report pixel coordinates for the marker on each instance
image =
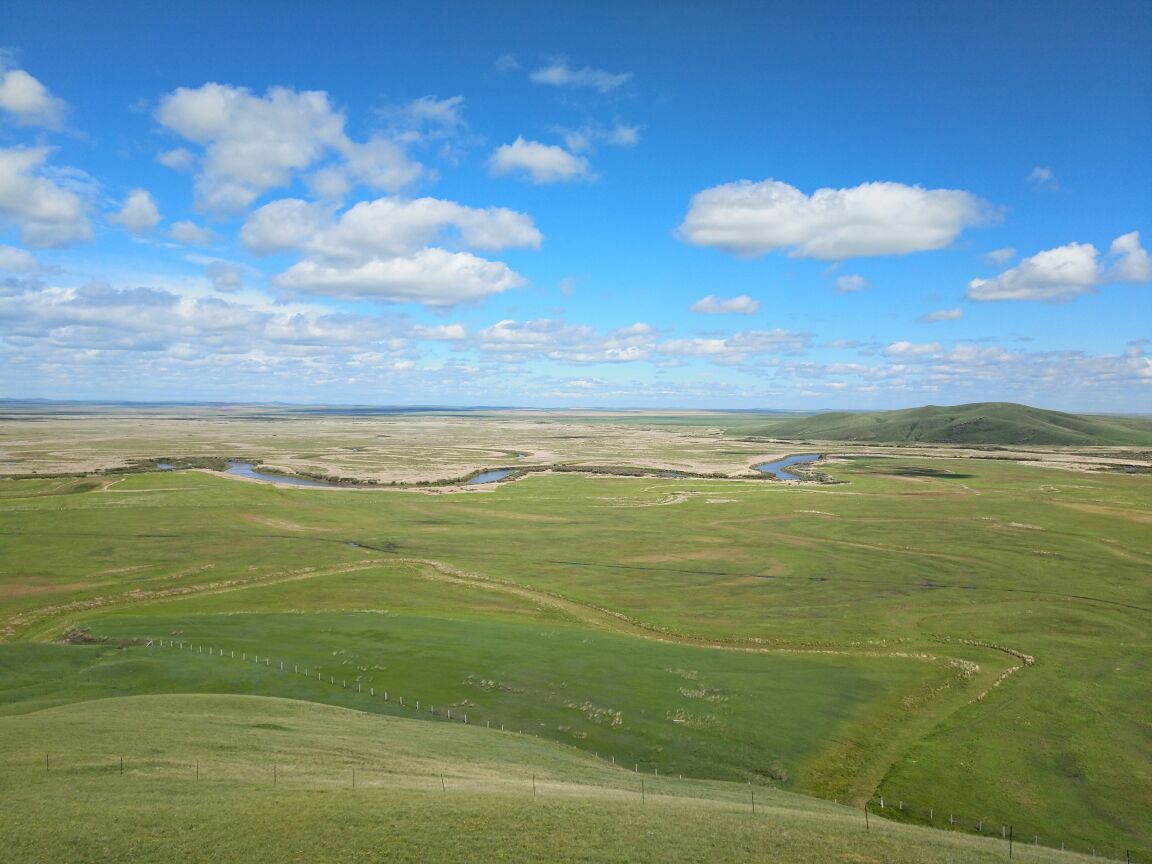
(731, 205)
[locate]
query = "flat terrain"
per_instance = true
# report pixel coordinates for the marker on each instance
(970, 638)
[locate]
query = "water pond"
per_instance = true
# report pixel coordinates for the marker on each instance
(779, 465)
(490, 476)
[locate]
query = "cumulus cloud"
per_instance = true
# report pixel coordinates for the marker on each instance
(226, 277)
(1067, 272)
(749, 218)
(712, 305)
(13, 260)
(138, 213)
(850, 283)
(178, 159)
(942, 315)
(912, 349)
(380, 249)
(191, 234)
(434, 277)
(46, 213)
(253, 144)
(559, 74)
(1130, 262)
(29, 102)
(379, 164)
(384, 227)
(543, 163)
(282, 225)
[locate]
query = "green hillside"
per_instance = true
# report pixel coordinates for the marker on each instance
(976, 423)
(235, 778)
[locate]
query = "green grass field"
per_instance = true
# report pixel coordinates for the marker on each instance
(852, 641)
(230, 778)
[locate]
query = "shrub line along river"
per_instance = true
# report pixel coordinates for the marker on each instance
(247, 469)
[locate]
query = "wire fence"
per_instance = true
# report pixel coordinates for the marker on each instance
(897, 810)
(1017, 834)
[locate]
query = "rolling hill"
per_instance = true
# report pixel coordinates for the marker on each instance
(236, 778)
(975, 423)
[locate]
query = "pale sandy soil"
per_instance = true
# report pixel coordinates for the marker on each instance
(413, 448)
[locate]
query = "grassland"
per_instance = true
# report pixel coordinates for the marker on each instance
(977, 423)
(228, 778)
(970, 636)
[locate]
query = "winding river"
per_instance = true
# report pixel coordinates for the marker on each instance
(779, 465)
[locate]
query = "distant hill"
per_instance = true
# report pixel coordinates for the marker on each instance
(976, 423)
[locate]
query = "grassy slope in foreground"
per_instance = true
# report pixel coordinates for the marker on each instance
(276, 784)
(977, 423)
(1050, 563)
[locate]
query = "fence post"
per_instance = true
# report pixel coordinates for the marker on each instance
(643, 794)
(121, 766)
(1009, 841)
(533, 785)
(753, 802)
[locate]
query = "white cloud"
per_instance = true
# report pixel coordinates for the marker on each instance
(440, 332)
(226, 277)
(749, 219)
(440, 116)
(942, 315)
(392, 226)
(912, 349)
(1043, 178)
(13, 260)
(1130, 262)
(712, 305)
(138, 214)
(999, 257)
(47, 213)
(97, 316)
(254, 144)
(378, 164)
(384, 227)
(543, 163)
(582, 139)
(738, 347)
(178, 159)
(282, 225)
(434, 277)
(559, 74)
(514, 341)
(851, 282)
(1055, 274)
(29, 101)
(191, 234)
